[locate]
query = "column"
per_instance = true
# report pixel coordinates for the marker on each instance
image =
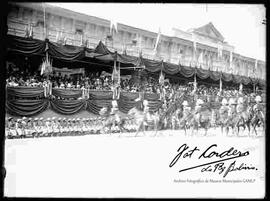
(231, 61)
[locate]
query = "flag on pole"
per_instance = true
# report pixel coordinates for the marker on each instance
(113, 26)
(161, 78)
(240, 87)
(157, 40)
(44, 16)
(27, 31)
(220, 84)
(195, 83)
(31, 33)
(46, 66)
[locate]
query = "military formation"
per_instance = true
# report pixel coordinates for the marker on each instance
(40, 127)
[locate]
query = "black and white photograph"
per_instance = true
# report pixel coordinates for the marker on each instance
(135, 100)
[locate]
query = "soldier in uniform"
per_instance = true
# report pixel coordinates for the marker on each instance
(146, 111)
(11, 128)
(35, 127)
(83, 126)
(54, 126)
(186, 112)
(258, 109)
(42, 127)
(232, 108)
(29, 128)
(197, 110)
(258, 106)
(223, 110)
(19, 129)
(240, 105)
(48, 128)
(114, 111)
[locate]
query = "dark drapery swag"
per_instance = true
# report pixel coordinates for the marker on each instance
(63, 93)
(25, 107)
(101, 52)
(26, 92)
(97, 100)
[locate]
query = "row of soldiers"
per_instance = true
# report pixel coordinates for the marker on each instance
(40, 127)
(232, 106)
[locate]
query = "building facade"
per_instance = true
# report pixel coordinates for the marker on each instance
(203, 47)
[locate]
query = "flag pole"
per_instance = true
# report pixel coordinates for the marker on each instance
(220, 84)
(44, 16)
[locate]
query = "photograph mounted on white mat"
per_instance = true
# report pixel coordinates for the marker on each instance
(135, 106)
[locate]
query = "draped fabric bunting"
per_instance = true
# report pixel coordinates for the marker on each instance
(126, 104)
(227, 77)
(101, 95)
(67, 107)
(101, 52)
(26, 92)
(187, 71)
(214, 75)
(171, 68)
(126, 59)
(202, 74)
(129, 95)
(66, 52)
(64, 93)
(152, 66)
(151, 96)
(26, 107)
(25, 46)
(237, 79)
(94, 106)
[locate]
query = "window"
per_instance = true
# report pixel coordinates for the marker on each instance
(40, 23)
(79, 31)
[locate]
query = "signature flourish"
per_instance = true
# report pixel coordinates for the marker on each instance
(216, 165)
